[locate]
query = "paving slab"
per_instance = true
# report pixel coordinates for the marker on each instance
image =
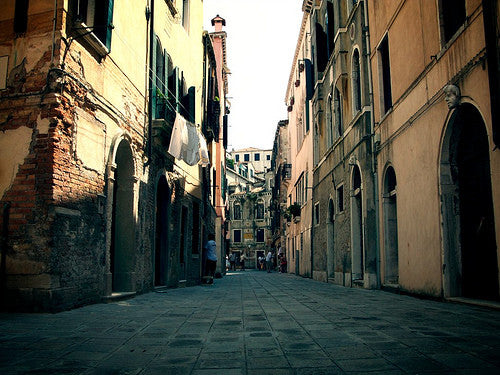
(254, 323)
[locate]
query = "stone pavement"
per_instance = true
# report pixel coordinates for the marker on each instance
(256, 323)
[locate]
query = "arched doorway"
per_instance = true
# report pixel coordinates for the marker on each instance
(330, 241)
(391, 269)
(357, 226)
(470, 257)
(122, 257)
(161, 233)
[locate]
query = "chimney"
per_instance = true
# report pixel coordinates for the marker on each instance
(218, 22)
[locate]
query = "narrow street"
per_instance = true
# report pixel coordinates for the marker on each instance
(255, 323)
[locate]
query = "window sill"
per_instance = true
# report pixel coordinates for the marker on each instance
(86, 33)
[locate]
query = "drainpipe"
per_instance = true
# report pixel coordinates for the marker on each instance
(3, 246)
(372, 137)
(54, 34)
(151, 80)
(490, 36)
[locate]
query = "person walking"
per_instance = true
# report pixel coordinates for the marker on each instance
(211, 258)
(242, 261)
(232, 262)
(269, 261)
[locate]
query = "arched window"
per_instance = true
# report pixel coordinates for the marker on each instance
(356, 83)
(237, 211)
(337, 104)
(329, 122)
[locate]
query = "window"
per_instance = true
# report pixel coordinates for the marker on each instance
(237, 235)
(246, 157)
(385, 75)
(356, 83)
(237, 211)
(321, 48)
(256, 157)
(21, 16)
(237, 157)
(316, 214)
(268, 157)
(329, 122)
(337, 113)
(330, 29)
(340, 198)
(185, 14)
(96, 17)
(260, 235)
(260, 210)
(300, 190)
(451, 17)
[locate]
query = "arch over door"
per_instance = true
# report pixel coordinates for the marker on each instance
(122, 255)
(470, 249)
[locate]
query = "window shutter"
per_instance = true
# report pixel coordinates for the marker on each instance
(309, 80)
(109, 24)
(224, 134)
(103, 21)
(192, 103)
(153, 77)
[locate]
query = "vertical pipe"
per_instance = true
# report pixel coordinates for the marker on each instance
(54, 34)
(372, 136)
(151, 80)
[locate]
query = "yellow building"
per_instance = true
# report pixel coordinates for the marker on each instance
(438, 159)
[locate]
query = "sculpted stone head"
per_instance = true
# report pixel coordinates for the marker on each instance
(452, 96)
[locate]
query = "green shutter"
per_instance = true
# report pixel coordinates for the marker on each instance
(109, 24)
(153, 77)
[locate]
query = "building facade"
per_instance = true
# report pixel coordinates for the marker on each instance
(438, 159)
(94, 204)
(344, 221)
(261, 159)
(404, 151)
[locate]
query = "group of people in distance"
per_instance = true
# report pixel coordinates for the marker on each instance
(263, 262)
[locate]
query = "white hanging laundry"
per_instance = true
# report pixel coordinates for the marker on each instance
(191, 154)
(204, 159)
(179, 137)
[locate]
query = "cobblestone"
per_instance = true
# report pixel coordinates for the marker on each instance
(256, 323)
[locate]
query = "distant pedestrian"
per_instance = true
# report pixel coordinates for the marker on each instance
(283, 264)
(262, 259)
(232, 262)
(211, 258)
(269, 261)
(242, 261)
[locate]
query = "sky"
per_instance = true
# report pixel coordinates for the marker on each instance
(261, 40)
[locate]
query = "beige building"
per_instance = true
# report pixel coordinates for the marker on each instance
(300, 143)
(435, 90)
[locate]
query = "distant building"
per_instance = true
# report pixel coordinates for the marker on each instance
(249, 210)
(261, 159)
